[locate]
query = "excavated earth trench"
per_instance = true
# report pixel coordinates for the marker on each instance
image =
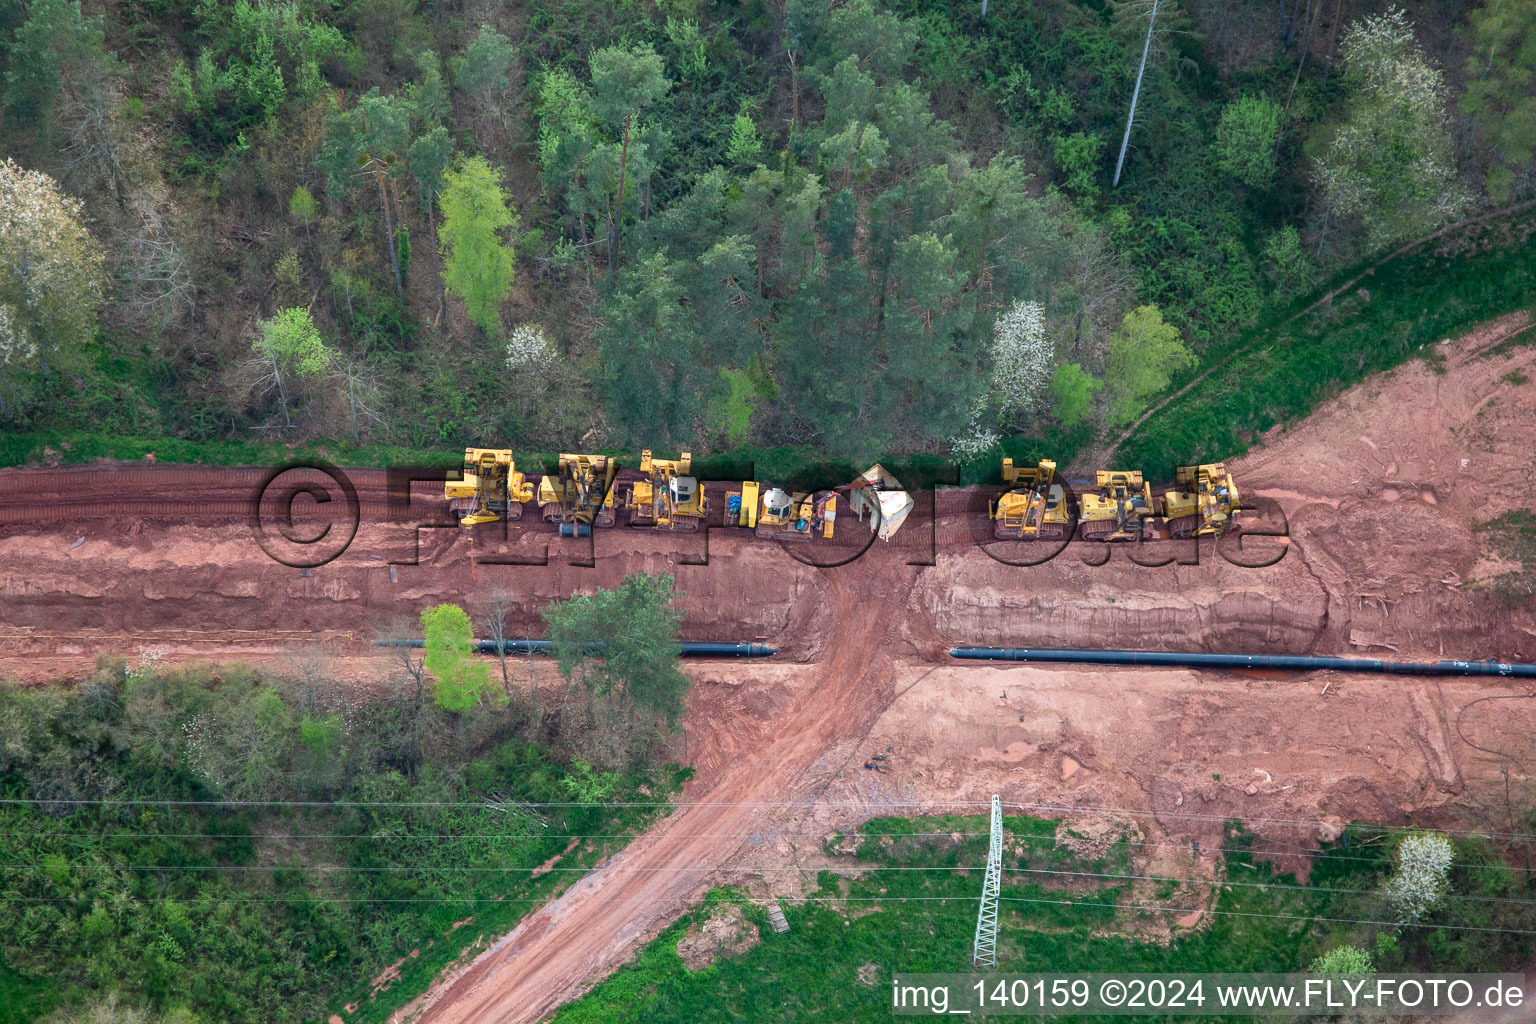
(1377, 496)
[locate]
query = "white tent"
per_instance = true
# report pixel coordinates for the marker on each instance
(881, 494)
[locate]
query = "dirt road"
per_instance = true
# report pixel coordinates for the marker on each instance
(560, 950)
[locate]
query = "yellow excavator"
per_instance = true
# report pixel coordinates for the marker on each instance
(669, 498)
(580, 494)
(1204, 503)
(492, 488)
(1121, 509)
(1034, 507)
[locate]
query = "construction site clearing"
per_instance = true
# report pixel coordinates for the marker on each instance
(1383, 493)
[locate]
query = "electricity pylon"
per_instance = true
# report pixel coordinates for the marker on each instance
(984, 954)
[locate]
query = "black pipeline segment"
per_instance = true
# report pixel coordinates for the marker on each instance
(688, 648)
(1193, 659)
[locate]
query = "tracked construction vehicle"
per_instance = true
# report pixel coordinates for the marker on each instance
(491, 489)
(668, 497)
(1034, 507)
(1120, 509)
(580, 496)
(1204, 503)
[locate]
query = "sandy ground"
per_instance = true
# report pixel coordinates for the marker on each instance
(1379, 494)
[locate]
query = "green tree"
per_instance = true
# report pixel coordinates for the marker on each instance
(478, 265)
(1343, 960)
(689, 46)
(52, 49)
(588, 785)
(620, 647)
(459, 681)
(291, 342)
(429, 93)
(857, 151)
(624, 83)
(429, 156)
(744, 146)
(1285, 264)
(1144, 353)
(1389, 171)
(51, 279)
(482, 71)
(1077, 161)
(371, 139)
(1500, 94)
(1245, 140)
(303, 207)
(1071, 392)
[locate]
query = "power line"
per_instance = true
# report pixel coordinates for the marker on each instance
(728, 868)
(689, 804)
(1314, 853)
(962, 902)
(486, 803)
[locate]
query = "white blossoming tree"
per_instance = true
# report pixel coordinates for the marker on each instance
(1389, 171)
(1021, 372)
(529, 351)
(50, 282)
(1423, 874)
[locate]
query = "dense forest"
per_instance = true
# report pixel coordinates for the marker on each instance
(854, 226)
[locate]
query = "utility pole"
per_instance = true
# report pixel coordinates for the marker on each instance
(984, 953)
(1136, 92)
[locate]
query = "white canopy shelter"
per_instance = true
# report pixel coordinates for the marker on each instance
(881, 494)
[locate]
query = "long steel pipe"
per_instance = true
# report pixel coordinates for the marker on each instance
(1195, 659)
(689, 648)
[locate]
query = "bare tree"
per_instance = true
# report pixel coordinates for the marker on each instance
(154, 268)
(91, 142)
(360, 382)
(1130, 117)
(311, 671)
(1102, 284)
(498, 604)
(409, 660)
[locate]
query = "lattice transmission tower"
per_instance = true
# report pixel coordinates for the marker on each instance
(984, 954)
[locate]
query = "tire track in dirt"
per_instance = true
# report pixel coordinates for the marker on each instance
(566, 946)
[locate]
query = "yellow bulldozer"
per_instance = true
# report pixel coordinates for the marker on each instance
(580, 494)
(1204, 502)
(669, 497)
(1122, 508)
(1034, 507)
(492, 488)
